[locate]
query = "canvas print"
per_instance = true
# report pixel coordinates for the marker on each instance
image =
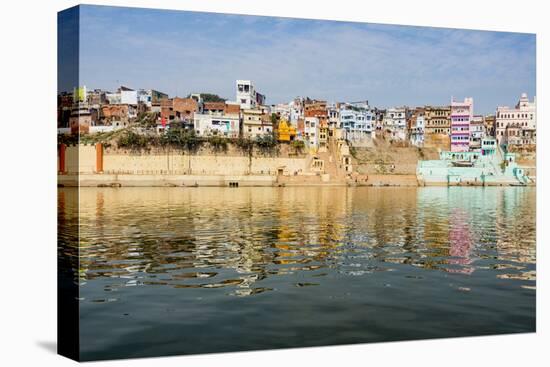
(235, 182)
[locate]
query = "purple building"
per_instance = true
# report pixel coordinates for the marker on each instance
(461, 115)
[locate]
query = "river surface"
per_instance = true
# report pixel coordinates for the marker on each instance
(167, 271)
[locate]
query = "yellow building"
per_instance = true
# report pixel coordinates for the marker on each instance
(286, 132)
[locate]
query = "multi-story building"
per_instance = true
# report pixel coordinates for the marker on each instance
(150, 97)
(489, 122)
(524, 116)
(417, 127)
(256, 123)
(333, 111)
(112, 98)
(247, 96)
(128, 96)
(318, 109)
(461, 116)
(209, 124)
(217, 118)
(356, 124)
(213, 107)
(282, 110)
(512, 134)
(156, 96)
(181, 109)
(477, 132)
(311, 133)
(395, 123)
(437, 120)
(296, 111)
(380, 115)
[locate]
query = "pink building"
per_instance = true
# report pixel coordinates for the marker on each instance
(461, 115)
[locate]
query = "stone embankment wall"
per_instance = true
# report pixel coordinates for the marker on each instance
(84, 159)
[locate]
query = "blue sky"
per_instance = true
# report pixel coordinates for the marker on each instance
(182, 52)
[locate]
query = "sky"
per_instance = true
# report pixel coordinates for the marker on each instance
(180, 52)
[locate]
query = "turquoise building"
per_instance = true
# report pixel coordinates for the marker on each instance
(488, 166)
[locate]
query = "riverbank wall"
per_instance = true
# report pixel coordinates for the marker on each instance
(95, 159)
(95, 166)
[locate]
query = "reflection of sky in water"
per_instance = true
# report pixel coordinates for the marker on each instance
(215, 237)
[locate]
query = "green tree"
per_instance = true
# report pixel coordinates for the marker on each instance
(210, 97)
(266, 143)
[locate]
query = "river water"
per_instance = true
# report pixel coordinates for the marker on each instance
(167, 271)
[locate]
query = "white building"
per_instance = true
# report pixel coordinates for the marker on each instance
(357, 124)
(129, 97)
(145, 97)
(522, 116)
(296, 111)
(477, 132)
(311, 133)
(418, 130)
(247, 96)
(282, 110)
(216, 124)
(113, 98)
(333, 112)
(395, 122)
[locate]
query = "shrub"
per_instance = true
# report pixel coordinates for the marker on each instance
(244, 144)
(298, 146)
(133, 141)
(71, 139)
(218, 143)
(181, 139)
(266, 143)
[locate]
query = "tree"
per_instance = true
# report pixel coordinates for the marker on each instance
(266, 143)
(210, 97)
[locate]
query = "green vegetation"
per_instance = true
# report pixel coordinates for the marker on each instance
(274, 119)
(210, 97)
(218, 143)
(147, 119)
(181, 139)
(67, 139)
(133, 141)
(244, 144)
(266, 143)
(298, 146)
(73, 139)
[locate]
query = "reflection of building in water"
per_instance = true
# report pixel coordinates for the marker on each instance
(190, 235)
(221, 237)
(460, 242)
(380, 209)
(311, 224)
(516, 225)
(433, 224)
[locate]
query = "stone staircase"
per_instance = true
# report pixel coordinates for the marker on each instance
(331, 164)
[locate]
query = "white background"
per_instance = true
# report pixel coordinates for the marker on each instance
(28, 183)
